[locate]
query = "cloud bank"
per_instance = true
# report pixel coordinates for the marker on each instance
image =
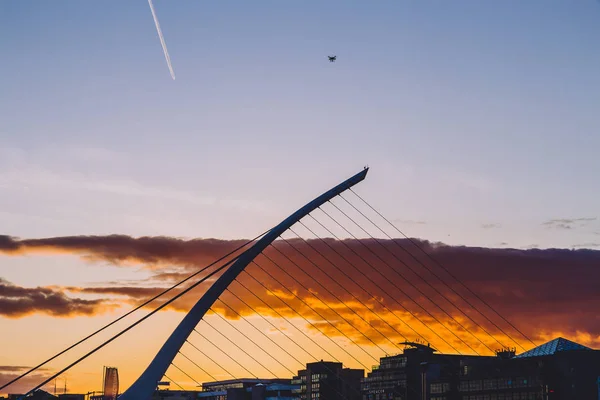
(376, 285)
(16, 301)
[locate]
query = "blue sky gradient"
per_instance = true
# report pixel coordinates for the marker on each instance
(468, 112)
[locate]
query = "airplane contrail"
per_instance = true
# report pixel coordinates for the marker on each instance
(162, 39)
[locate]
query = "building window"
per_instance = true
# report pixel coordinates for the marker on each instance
(439, 387)
(489, 384)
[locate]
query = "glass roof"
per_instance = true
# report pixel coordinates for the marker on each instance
(552, 347)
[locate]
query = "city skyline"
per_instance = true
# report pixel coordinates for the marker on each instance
(168, 260)
(477, 119)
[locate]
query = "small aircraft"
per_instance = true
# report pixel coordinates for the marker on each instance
(332, 58)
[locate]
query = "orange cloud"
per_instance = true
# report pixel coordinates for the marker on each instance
(123, 250)
(16, 301)
(375, 286)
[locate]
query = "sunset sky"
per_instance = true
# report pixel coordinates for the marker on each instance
(478, 120)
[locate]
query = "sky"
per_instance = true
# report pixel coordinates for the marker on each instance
(478, 120)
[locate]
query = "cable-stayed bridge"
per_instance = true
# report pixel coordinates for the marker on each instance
(329, 282)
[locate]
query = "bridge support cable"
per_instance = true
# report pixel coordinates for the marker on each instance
(143, 387)
(312, 309)
(405, 279)
(289, 322)
(229, 289)
(362, 287)
(199, 367)
(440, 265)
(292, 309)
(176, 384)
(275, 327)
(142, 305)
(317, 297)
(293, 325)
(211, 359)
(302, 365)
(223, 351)
(136, 323)
(430, 300)
(385, 248)
(408, 296)
(338, 298)
(362, 303)
(271, 324)
(218, 364)
(254, 342)
(324, 303)
(344, 273)
(186, 374)
(220, 331)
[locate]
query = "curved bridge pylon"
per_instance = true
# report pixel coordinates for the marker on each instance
(145, 385)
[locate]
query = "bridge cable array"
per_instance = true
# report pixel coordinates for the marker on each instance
(460, 309)
(423, 280)
(317, 296)
(131, 326)
(434, 260)
(142, 305)
(411, 284)
(324, 296)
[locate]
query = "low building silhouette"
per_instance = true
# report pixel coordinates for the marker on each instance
(406, 375)
(248, 389)
(326, 380)
(175, 394)
(560, 369)
(37, 395)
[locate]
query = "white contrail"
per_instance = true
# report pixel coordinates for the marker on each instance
(162, 39)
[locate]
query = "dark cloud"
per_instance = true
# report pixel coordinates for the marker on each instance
(568, 223)
(122, 249)
(540, 291)
(17, 301)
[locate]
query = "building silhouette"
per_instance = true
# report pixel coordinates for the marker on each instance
(110, 384)
(560, 369)
(405, 376)
(326, 380)
(247, 389)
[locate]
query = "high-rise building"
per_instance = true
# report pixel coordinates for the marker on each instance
(325, 380)
(110, 384)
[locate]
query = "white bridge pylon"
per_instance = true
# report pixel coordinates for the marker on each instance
(144, 386)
